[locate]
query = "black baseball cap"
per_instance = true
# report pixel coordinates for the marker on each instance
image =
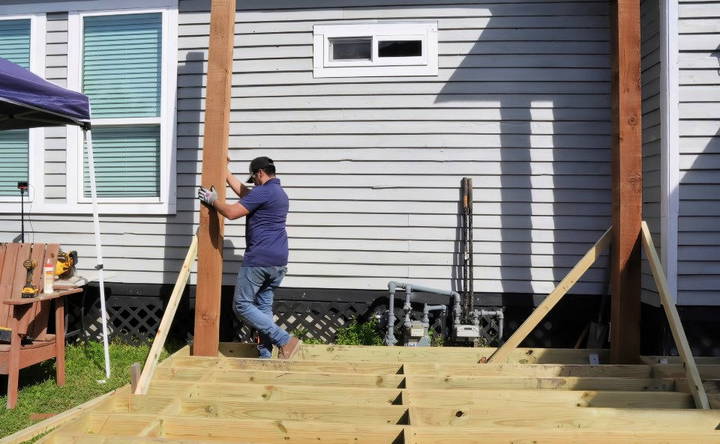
(257, 164)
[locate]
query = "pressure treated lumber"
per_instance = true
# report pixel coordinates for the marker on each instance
(166, 322)
(215, 145)
(61, 418)
(531, 370)
(531, 383)
(277, 392)
(467, 435)
(435, 354)
(225, 399)
(678, 333)
(626, 153)
(558, 418)
(502, 353)
(541, 399)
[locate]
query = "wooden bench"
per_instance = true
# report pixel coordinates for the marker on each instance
(28, 318)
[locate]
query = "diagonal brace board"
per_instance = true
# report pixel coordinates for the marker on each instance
(693, 376)
(502, 353)
(152, 360)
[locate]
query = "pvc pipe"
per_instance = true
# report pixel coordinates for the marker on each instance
(98, 248)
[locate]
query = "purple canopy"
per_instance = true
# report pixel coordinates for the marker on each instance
(27, 101)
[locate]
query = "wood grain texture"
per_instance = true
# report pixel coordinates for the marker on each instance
(695, 383)
(168, 315)
(627, 182)
(214, 166)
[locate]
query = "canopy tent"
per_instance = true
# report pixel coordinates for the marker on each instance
(28, 101)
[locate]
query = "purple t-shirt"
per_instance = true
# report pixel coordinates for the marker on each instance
(265, 235)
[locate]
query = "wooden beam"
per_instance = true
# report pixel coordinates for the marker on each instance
(540, 399)
(563, 418)
(285, 377)
(170, 309)
(277, 393)
(678, 333)
(626, 182)
(531, 370)
(532, 383)
(60, 419)
(473, 435)
(215, 144)
(502, 353)
(359, 353)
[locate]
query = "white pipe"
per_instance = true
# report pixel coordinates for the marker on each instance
(98, 250)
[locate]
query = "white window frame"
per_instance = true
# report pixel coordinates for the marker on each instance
(166, 202)
(424, 65)
(36, 136)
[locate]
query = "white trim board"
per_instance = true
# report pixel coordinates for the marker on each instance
(166, 203)
(670, 142)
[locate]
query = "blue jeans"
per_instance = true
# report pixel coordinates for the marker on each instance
(253, 302)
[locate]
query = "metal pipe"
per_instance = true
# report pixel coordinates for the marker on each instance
(407, 307)
(390, 339)
(457, 308)
(499, 313)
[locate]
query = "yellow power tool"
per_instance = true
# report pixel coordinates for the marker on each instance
(65, 266)
(29, 290)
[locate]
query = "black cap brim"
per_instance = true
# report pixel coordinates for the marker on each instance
(250, 179)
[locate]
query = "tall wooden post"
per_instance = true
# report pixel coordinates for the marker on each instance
(626, 181)
(215, 144)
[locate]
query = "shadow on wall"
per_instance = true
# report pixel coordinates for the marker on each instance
(180, 228)
(535, 92)
(699, 180)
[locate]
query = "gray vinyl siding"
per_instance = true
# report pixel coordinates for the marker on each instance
(55, 138)
(650, 78)
(373, 165)
(699, 223)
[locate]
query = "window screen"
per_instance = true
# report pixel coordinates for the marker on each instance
(122, 69)
(14, 145)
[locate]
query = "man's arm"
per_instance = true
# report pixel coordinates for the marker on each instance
(209, 197)
(230, 211)
(238, 187)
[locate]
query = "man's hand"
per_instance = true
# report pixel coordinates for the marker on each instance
(208, 197)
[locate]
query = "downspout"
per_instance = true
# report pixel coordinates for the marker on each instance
(670, 141)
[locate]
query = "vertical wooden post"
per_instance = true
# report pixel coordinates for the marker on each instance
(626, 181)
(215, 144)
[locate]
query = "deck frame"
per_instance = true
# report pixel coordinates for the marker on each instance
(346, 394)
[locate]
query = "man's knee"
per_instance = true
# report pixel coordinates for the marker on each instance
(241, 307)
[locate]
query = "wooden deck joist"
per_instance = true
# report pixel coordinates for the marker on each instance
(437, 395)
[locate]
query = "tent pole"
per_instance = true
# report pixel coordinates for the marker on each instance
(98, 249)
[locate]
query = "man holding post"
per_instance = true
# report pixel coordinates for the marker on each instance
(266, 254)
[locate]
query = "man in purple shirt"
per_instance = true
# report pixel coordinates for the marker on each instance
(266, 253)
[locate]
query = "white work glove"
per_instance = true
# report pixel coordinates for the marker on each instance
(208, 197)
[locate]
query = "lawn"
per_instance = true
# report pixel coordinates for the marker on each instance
(85, 365)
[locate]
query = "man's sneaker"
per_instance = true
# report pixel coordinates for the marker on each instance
(288, 350)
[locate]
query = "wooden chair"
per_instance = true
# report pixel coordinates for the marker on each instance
(28, 318)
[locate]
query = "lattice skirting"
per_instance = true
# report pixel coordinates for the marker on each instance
(313, 319)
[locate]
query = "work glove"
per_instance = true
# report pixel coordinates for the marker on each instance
(208, 197)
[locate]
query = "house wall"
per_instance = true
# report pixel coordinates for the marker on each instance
(650, 78)
(373, 165)
(699, 222)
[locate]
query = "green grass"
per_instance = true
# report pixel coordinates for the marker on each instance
(84, 366)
